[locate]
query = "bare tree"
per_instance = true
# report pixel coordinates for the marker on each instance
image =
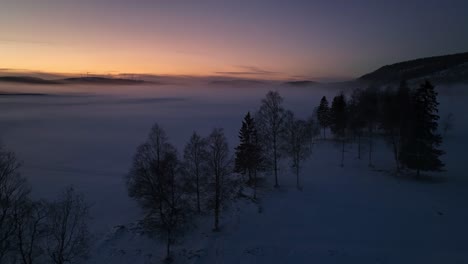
(297, 138)
(220, 167)
(30, 229)
(68, 238)
(195, 153)
(13, 191)
(270, 118)
(154, 182)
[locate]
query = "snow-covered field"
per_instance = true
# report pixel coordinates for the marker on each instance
(87, 136)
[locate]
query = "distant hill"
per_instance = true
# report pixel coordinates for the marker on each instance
(301, 83)
(77, 80)
(26, 80)
(101, 80)
(443, 69)
(237, 82)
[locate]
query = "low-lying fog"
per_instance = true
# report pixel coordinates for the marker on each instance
(87, 135)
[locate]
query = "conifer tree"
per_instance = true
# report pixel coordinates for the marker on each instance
(248, 153)
(323, 114)
(420, 147)
(339, 118)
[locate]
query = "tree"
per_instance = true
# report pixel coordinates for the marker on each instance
(356, 119)
(173, 214)
(13, 192)
(68, 238)
(154, 183)
(249, 153)
(270, 117)
(339, 118)
(370, 112)
(420, 147)
(30, 230)
(219, 164)
(323, 114)
(396, 112)
(297, 143)
(195, 153)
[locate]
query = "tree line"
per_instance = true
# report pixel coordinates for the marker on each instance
(172, 188)
(39, 231)
(407, 118)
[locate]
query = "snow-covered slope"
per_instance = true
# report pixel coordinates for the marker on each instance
(354, 214)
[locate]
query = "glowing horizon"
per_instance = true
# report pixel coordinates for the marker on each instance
(261, 39)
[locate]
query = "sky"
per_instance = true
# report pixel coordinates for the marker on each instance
(272, 39)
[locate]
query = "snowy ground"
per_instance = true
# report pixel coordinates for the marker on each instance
(343, 215)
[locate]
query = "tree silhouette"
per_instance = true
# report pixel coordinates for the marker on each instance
(420, 147)
(339, 118)
(297, 145)
(13, 192)
(271, 116)
(154, 183)
(219, 163)
(323, 115)
(249, 153)
(195, 164)
(68, 236)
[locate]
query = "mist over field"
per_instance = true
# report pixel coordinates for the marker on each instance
(87, 135)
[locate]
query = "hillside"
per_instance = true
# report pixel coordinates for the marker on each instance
(301, 83)
(76, 80)
(26, 80)
(442, 69)
(101, 80)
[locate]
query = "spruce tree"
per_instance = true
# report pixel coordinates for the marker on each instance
(323, 114)
(420, 147)
(248, 152)
(339, 120)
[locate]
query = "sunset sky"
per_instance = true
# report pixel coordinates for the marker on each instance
(260, 39)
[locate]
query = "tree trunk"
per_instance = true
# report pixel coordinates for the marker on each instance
(198, 192)
(342, 152)
(275, 161)
(297, 177)
(395, 151)
(168, 246)
(359, 146)
(370, 149)
(255, 185)
(217, 203)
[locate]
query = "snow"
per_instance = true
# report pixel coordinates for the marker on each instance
(354, 214)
